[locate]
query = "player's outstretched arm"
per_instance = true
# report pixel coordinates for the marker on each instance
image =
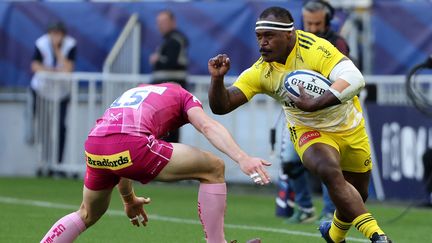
(219, 136)
(133, 205)
(222, 100)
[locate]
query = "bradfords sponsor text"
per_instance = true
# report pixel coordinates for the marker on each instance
(113, 162)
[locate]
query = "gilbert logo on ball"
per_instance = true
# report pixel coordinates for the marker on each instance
(313, 82)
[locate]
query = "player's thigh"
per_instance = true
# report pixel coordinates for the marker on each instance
(317, 150)
(323, 160)
(188, 162)
(95, 204)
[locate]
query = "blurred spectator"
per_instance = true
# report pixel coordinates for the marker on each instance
(170, 60)
(294, 189)
(54, 52)
(317, 15)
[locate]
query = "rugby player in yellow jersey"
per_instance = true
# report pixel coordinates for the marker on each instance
(328, 131)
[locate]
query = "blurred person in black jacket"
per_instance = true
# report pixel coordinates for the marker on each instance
(170, 60)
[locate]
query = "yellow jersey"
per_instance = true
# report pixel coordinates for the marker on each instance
(312, 53)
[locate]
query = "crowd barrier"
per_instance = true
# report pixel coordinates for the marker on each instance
(250, 124)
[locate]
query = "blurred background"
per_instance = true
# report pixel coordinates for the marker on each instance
(114, 40)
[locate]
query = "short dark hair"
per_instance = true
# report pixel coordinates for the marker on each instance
(168, 12)
(320, 5)
(280, 14)
(57, 26)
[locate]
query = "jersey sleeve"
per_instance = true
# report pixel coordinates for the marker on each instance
(190, 101)
(324, 56)
(249, 81)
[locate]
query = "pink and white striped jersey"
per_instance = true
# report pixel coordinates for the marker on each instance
(147, 110)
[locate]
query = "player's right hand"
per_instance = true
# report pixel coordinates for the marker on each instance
(305, 101)
(255, 169)
(135, 211)
(219, 65)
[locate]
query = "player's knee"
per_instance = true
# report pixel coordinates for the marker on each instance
(219, 168)
(329, 174)
(216, 171)
(85, 216)
(89, 217)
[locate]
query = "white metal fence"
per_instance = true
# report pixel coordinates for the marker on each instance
(124, 56)
(250, 124)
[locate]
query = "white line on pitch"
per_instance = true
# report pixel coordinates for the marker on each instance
(44, 204)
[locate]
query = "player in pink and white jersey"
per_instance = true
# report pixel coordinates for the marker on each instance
(165, 108)
(126, 144)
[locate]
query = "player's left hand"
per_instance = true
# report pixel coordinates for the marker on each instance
(135, 211)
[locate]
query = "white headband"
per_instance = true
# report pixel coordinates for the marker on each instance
(272, 25)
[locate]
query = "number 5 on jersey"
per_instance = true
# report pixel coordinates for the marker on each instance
(134, 97)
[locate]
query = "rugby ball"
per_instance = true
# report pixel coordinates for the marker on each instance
(313, 82)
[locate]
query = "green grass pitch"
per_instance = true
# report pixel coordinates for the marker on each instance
(28, 208)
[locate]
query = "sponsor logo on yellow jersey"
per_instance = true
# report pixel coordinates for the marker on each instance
(113, 162)
(307, 136)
